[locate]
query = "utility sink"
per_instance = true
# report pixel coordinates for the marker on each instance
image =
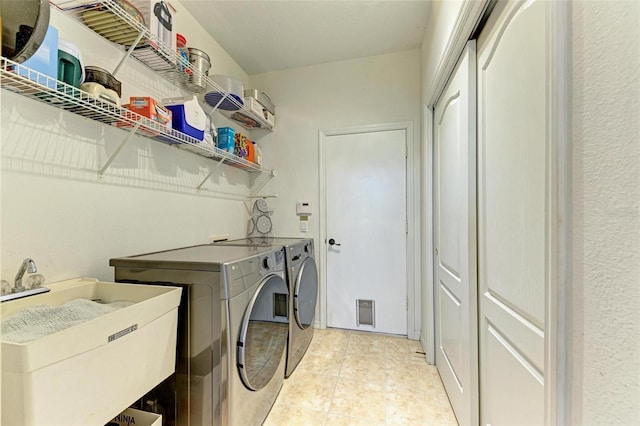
(87, 374)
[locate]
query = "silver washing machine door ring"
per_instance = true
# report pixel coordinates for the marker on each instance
(261, 342)
(305, 293)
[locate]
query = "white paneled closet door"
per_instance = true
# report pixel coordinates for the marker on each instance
(513, 206)
(455, 238)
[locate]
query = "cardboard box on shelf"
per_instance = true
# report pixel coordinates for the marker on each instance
(149, 108)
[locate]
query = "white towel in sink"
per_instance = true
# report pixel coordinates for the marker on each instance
(38, 321)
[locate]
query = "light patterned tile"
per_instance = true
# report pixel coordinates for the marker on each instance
(416, 346)
(364, 368)
(442, 394)
(412, 376)
(329, 340)
(334, 419)
(434, 372)
(412, 407)
(403, 358)
(333, 333)
(368, 365)
(307, 390)
(363, 400)
(326, 363)
(361, 343)
(402, 345)
(449, 416)
(292, 415)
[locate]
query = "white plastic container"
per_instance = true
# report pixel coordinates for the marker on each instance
(131, 416)
(87, 374)
(258, 154)
(100, 92)
(260, 112)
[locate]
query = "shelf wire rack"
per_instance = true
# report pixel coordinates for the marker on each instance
(127, 28)
(42, 88)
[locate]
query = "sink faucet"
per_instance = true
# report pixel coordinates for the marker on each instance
(28, 265)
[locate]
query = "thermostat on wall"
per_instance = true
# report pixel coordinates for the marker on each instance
(303, 209)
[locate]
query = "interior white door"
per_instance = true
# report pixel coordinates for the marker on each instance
(365, 177)
(455, 239)
(513, 232)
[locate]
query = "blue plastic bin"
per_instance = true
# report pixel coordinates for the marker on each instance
(179, 122)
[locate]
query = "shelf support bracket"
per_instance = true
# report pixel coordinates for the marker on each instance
(212, 172)
(117, 151)
(126, 55)
(261, 181)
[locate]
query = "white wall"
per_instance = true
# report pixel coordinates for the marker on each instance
(374, 90)
(606, 290)
(54, 208)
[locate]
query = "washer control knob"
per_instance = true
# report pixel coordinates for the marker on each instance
(267, 263)
(307, 249)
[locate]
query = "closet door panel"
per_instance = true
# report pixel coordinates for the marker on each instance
(455, 237)
(512, 212)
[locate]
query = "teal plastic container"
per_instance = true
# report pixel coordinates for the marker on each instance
(226, 139)
(69, 63)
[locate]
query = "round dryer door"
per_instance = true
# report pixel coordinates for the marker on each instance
(263, 333)
(306, 293)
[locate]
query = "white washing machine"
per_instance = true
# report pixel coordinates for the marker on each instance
(232, 331)
(302, 278)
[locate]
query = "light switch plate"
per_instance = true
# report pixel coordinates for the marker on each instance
(304, 226)
(303, 208)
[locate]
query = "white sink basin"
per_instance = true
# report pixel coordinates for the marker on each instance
(87, 374)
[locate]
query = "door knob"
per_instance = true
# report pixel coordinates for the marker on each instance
(332, 242)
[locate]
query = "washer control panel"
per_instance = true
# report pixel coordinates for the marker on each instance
(267, 263)
(271, 262)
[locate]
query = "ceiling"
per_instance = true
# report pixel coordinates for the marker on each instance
(270, 35)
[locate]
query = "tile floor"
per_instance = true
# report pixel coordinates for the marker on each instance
(355, 378)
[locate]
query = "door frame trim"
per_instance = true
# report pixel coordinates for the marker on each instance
(559, 345)
(428, 335)
(413, 218)
(468, 19)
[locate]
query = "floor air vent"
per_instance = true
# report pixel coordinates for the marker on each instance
(365, 312)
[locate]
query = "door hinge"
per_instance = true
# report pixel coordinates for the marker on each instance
(407, 304)
(406, 227)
